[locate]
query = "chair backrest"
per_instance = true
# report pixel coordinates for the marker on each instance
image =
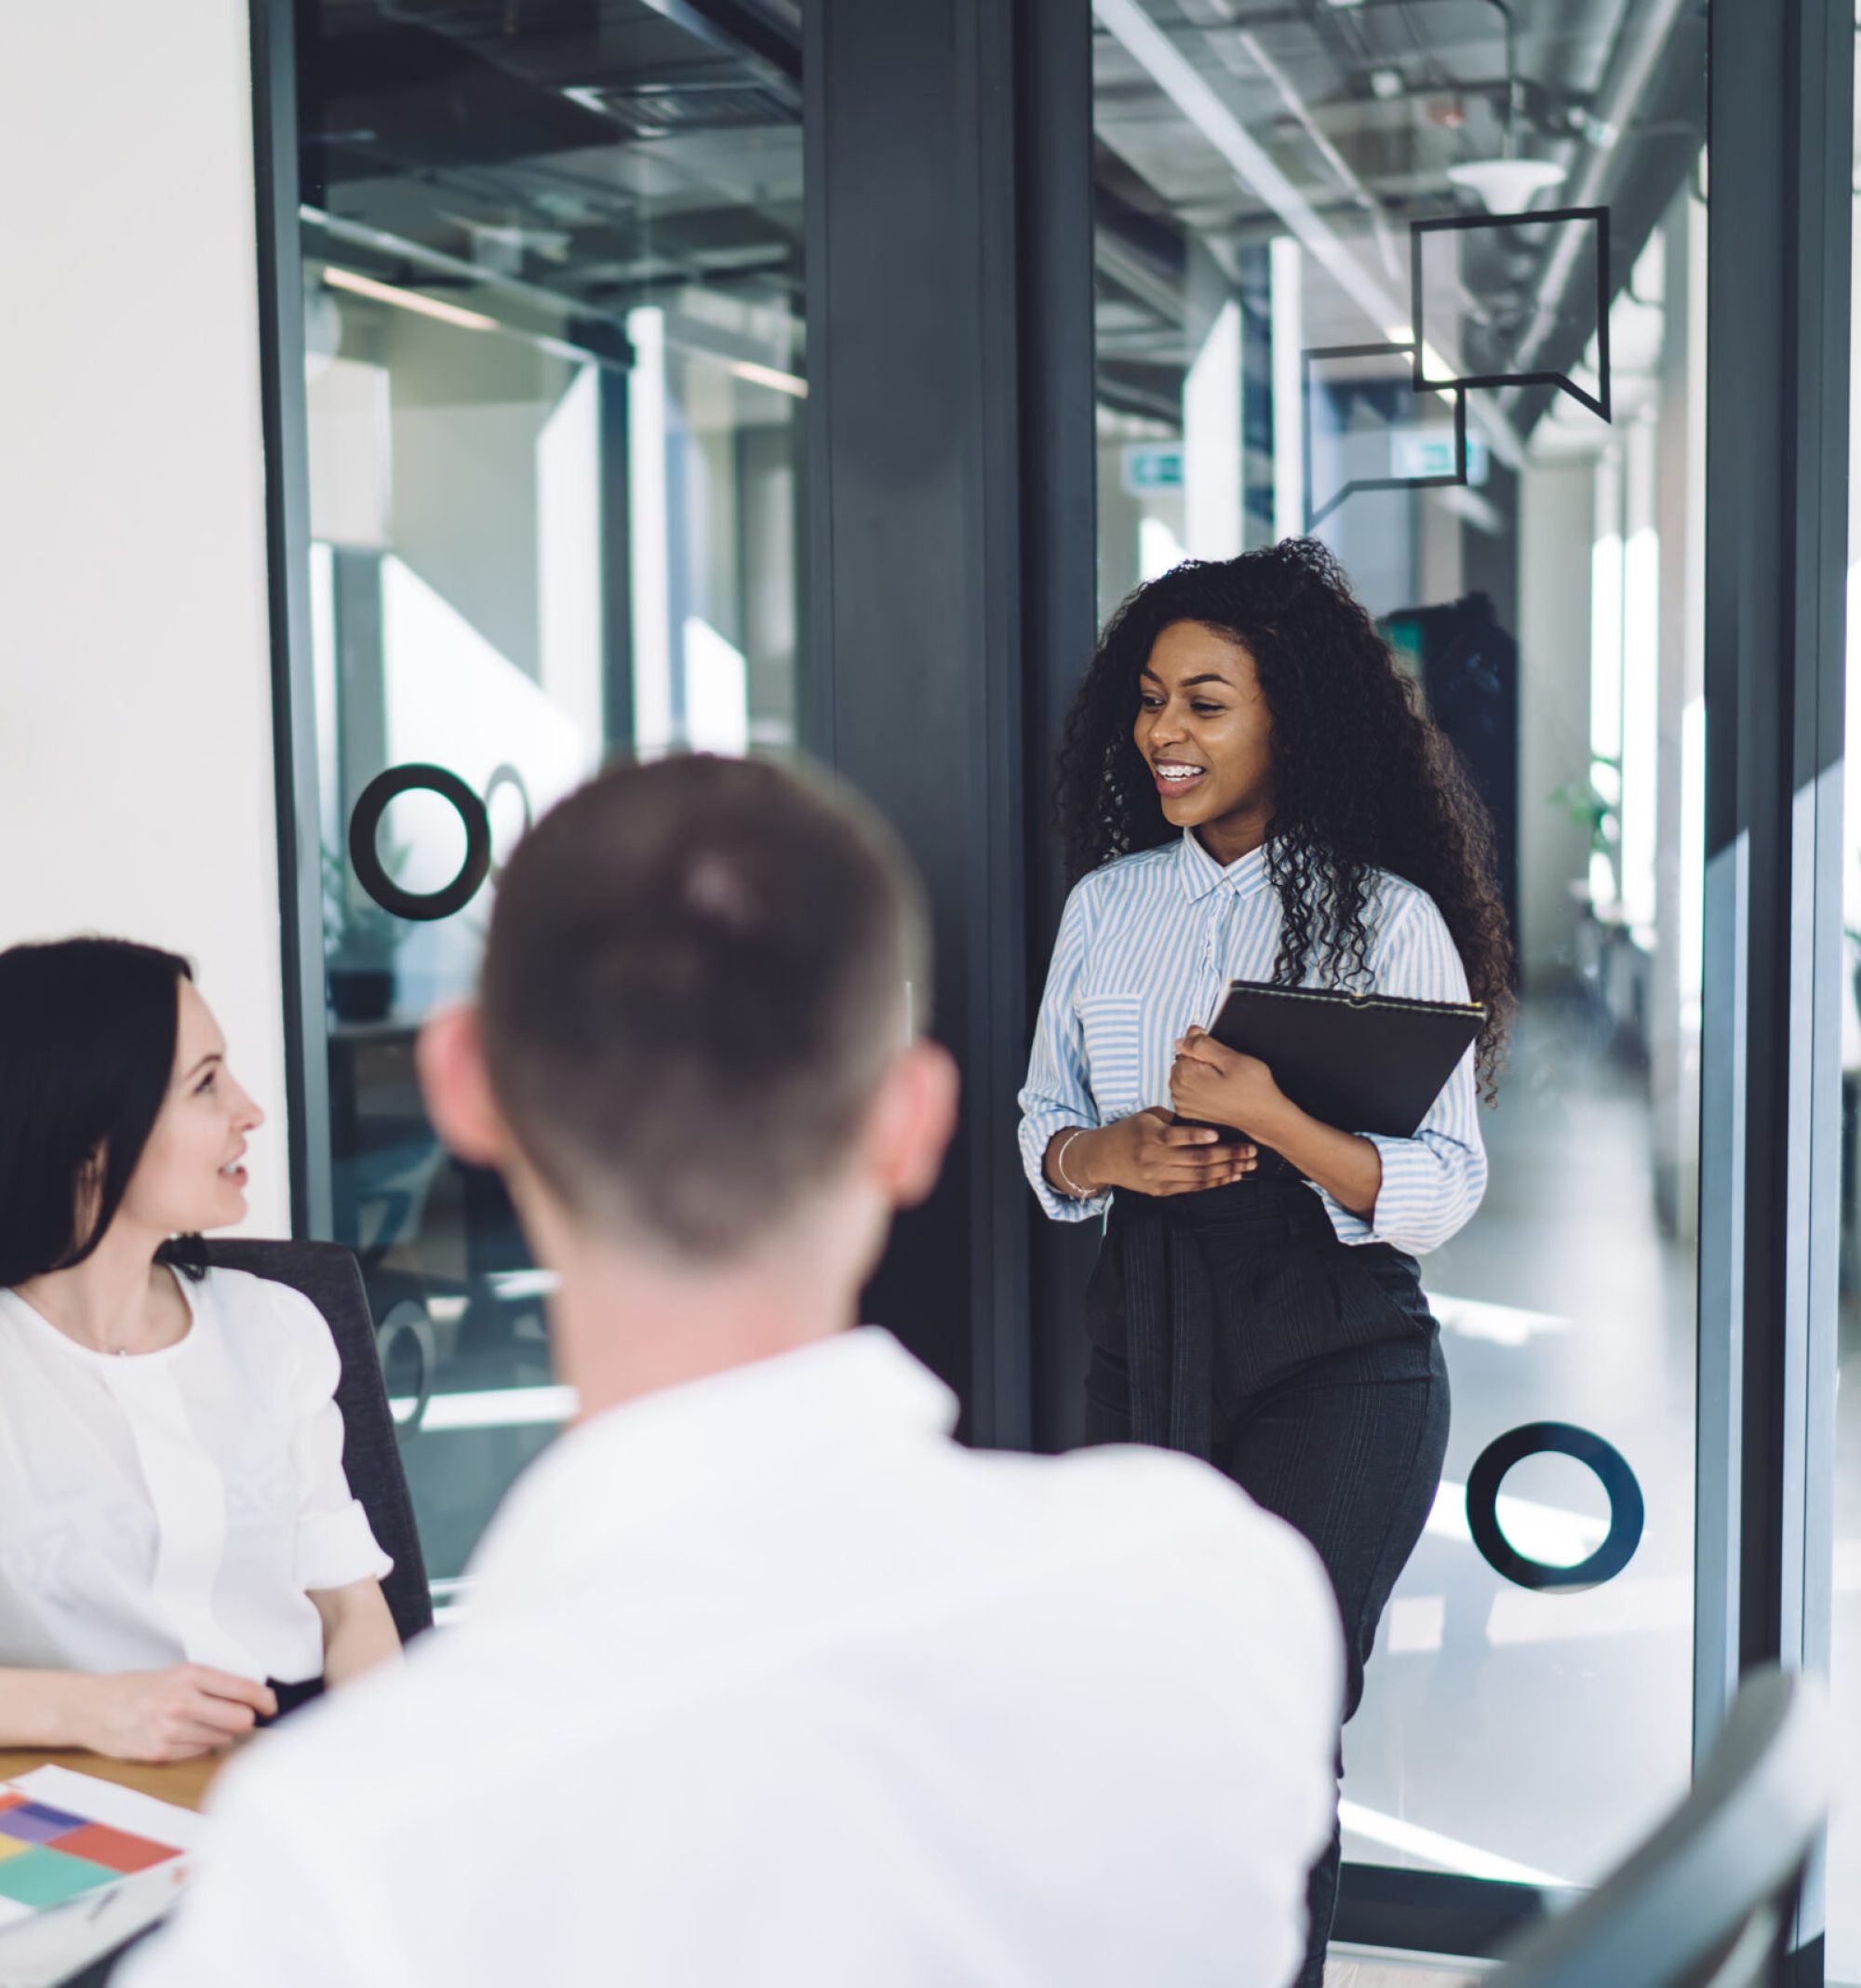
(1709, 1897)
(329, 1277)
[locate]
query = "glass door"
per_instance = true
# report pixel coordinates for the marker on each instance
(1391, 276)
(555, 379)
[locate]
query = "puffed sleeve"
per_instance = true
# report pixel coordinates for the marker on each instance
(335, 1544)
(1432, 1183)
(1057, 1092)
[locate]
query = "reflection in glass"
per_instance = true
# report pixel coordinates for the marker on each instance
(1257, 337)
(1843, 1882)
(555, 378)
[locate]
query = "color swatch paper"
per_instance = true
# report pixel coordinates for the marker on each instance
(50, 1855)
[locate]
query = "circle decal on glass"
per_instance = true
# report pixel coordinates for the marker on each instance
(412, 779)
(503, 776)
(1626, 1510)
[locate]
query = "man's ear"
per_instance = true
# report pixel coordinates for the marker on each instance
(450, 1058)
(912, 1121)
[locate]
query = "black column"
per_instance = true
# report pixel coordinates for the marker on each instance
(914, 667)
(1058, 573)
(1778, 257)
(281, 391)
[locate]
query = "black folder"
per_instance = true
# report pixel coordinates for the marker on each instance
(1360, 1062)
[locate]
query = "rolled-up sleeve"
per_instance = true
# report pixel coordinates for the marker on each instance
(335, 1544)
(1433, 1182)
(1058, 1091)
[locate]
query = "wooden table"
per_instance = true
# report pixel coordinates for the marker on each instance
(184, 1782)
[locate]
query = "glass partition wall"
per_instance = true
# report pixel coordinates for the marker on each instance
(1385, 274)
(1427, 278)
(1844, 1886)
(554, 382)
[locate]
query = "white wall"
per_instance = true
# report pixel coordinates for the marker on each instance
(136, 768)
(1556, 525)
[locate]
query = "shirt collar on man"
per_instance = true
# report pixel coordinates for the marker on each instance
(1201, 873)
(707, 1444)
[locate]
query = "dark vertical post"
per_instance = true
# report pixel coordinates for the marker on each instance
(617, 594)
(1778, 256)
(280, 277)
(914, 604)
(1819, 370)
(1059, 483)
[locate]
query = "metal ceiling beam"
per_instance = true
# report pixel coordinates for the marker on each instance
(1157, 53)
(1640, 44)
(736, 30)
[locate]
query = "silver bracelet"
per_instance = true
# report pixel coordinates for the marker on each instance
(1066, 1180)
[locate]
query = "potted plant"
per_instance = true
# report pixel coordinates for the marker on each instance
(1591, 808)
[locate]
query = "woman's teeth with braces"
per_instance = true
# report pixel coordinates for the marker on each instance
(1179, 773)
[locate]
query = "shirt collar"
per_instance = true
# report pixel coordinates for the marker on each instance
(1201, 873)
(654, 1466)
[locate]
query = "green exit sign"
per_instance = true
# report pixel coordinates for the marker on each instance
(1153, 466)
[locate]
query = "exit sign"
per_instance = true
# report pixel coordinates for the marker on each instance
(1152, 467)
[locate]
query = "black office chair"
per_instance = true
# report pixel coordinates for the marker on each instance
(328, 1276)
(1707, 1901)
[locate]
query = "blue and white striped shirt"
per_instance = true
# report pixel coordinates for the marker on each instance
(1146, 946)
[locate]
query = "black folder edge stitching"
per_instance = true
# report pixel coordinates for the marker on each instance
(1343, 999)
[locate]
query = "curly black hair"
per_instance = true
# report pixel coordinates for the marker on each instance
(1362, 778)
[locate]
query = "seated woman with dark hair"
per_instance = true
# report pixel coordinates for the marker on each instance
(180, 1555)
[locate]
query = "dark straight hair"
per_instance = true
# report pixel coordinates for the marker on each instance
(87, 1030)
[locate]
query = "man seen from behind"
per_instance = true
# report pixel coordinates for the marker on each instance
(763, 1679)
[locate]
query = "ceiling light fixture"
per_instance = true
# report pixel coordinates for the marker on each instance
(1506, 186)
(407, 299)
(783, 383)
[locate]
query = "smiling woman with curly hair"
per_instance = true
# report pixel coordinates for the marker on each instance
(1250, 789)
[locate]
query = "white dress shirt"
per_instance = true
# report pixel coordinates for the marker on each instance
(176, 1506)
(768, 1681)
(1145, 947)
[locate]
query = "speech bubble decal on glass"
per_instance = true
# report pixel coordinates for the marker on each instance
(1367, 428)
(1573, 245)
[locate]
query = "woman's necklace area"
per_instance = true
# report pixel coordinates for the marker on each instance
(116, 1353)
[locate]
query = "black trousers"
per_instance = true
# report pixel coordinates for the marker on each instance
(1345, 1445)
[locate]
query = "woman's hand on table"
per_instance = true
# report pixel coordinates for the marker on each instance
(179, 1713)
(1147, 1153)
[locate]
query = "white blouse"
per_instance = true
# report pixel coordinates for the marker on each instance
(176, 1506)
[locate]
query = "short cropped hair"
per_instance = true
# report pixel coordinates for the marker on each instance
(696, 977)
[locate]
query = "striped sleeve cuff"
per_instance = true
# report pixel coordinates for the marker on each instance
(1419, 1204)
(1036, 1135)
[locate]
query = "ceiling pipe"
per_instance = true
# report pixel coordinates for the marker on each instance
(358, 235)
(1639, 46)
(1183, 85)
(1295, 104)
(1514, 86)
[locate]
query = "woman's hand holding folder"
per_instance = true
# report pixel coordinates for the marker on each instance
(1218, 1085)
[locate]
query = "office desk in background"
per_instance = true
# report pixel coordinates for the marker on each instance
(184, 1783)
